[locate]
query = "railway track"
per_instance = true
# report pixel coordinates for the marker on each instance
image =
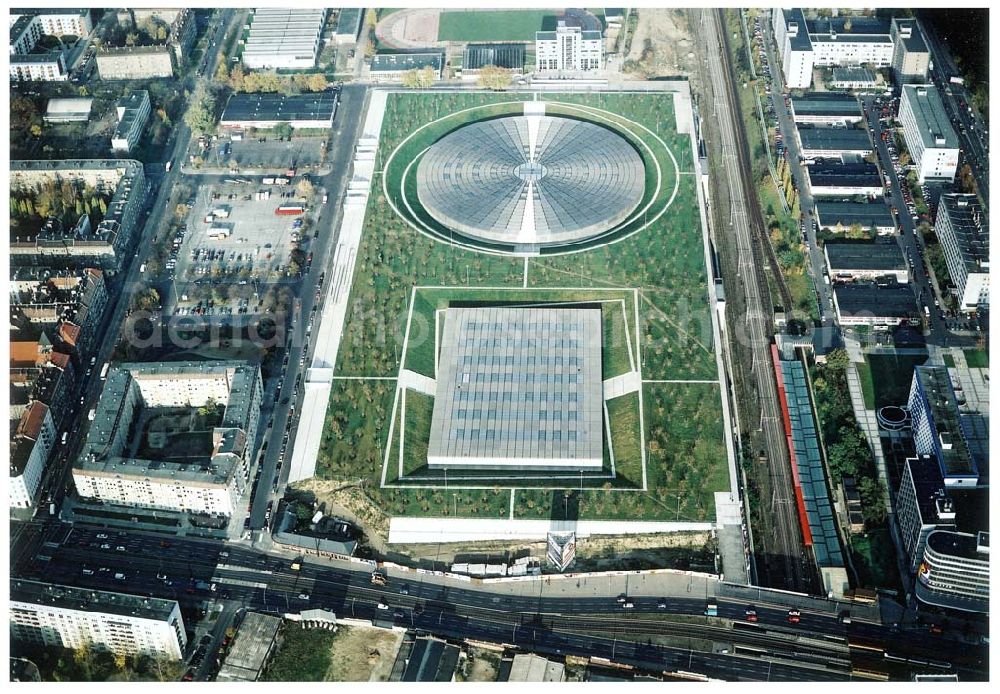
(782, 558)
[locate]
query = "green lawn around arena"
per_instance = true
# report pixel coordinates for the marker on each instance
(664, 262)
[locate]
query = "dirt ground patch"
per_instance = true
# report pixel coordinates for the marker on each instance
(409, 29)
(478, 665)
(363, 655)
(662, 44)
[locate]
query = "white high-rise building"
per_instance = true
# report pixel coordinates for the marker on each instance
(568, 49)
(930, 139)
(69, 617)
(963, 231)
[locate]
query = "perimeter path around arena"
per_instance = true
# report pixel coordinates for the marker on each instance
(340, 279)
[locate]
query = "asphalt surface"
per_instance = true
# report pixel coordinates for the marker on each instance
(816, 648)
(347, 128)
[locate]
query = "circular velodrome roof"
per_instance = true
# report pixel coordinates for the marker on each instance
(531, 180)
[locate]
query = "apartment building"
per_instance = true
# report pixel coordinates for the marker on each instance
(568, 49)
(31, 444)
(963, 230)
(930, 138)
(49, 614)
(133, 111)
(118, 466)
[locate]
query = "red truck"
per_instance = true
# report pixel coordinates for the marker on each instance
(290, 210)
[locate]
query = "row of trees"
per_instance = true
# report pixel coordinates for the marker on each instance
(200, 116)
(67, 200)
(848, 452)
(257, 81)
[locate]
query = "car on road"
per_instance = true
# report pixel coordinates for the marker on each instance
(662, 604)
(303, 596)
(161, 577)
(404, 589)
(628, 605)
(206, 639)
(794, 616)
(383, 606)
(751, 614)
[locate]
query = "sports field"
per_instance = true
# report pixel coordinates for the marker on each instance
(495, 25)
(660, 260)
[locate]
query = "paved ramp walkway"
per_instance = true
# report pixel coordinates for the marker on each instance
(418, 382)
(624, 384)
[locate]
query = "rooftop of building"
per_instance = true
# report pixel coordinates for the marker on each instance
(971, 228)
(37, 58)
(502, 369)
(215, 468)
(431, 660)
(391, 62)
(853, 74)
(800, 40)
(250, 648)
(315, 106)
(908, 34)
(505, 55)
(530, 667)
(69, 106)
(125, 51)
(866, 214)
(835, 139)
(133, 104)
(88, 600)
(826, 104)
(865, 256)
(838, 174)
(868, 298)
(936, 385)
(960, 545)
(584, 35)
(928, 486)
(932, 122)
(25, 433)
(849, 28)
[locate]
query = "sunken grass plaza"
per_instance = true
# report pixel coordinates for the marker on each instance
(637, 276)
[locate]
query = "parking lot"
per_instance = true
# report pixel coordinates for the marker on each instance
(265, 152)
(233, 238)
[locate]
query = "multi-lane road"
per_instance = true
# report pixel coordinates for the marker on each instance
(814, 649)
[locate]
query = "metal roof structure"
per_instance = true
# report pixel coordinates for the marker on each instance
(870, 299)
(397, 62)
(519, 387)
(247, 655)
(853, 74)
(68, 110)
(867, 214)
(431, 660)
(809, 463)
(839, 175)
(826, 104)
(247, 108)
(835, 140)
(531, 180)
(842, 257)
(505, 55)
